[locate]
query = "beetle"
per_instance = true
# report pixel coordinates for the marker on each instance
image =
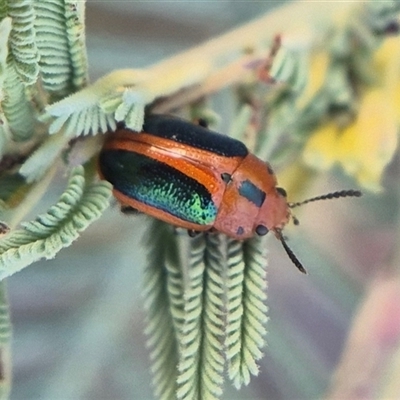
(194, 178)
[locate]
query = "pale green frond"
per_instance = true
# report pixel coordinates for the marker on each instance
(214, 320)
(234, 320)
(290, 71)
(190, 334)
(17, 110)
(115, 97)
(240, 122)
(291, 67)
(81, 204)
(79, 114)
(373, 20)
(60, 40)
(248, 313)
(23, 41)
(39, 162)
(336, 89)
(5, 344)
(201, 364)
(160, 328)
(3, 9)
(5, 29)
(175, 285)
(5, 323)
(3, 138)
(75, 29)
(131, 109)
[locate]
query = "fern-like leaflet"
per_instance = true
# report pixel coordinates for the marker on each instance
(81, 204)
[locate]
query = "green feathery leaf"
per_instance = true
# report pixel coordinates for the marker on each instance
(160, 327)
(235, 278)
(5, 344)
(201, 365)
(190, 332)
(16, 33)
(213, 314)
(44, 157)
(3, 9)
(23, 41)
(75, 29)
(240, 122)
(214, 320)
(18, 111)
(79, 114)
(247, 312)
(81, 204)
(176, 282)
(382, 14)
(5, 323)
(127, 105)
(60, 39)
(115, 97)
(290, 67)
(5, 29)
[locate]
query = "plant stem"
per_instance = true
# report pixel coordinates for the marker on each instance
(226, 60)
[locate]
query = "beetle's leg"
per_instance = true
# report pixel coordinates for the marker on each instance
(192, 232)
(202, 122)
(129, 210)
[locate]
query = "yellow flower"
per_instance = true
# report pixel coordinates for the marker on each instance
(369, 144)
(363, 148)
(366, 146)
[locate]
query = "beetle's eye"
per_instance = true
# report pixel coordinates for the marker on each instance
(261, 230)
(281, 191)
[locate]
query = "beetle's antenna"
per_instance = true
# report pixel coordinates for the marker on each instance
(334, 195)
(289, 252)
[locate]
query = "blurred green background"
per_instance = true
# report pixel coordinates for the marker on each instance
(78, 319)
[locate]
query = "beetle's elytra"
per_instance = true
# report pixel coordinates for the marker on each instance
(194, 178)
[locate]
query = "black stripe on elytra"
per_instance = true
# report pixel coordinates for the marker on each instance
(185, 132)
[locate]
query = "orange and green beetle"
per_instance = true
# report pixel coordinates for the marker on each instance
(194, 178)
